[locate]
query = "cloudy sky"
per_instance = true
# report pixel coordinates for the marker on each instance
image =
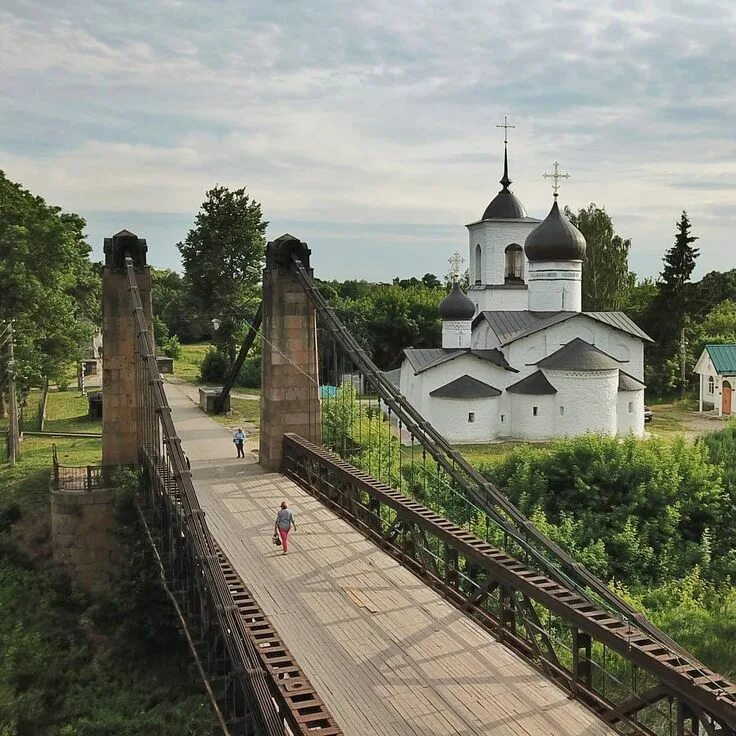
(368, 128)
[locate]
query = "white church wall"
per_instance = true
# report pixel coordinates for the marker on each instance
(532, 417)
(468, 421)
(456, 334)
(484, 338)
(555, 285)
(586, 401)
(630, 413)
(493, 236)
(545, 342)
(502, 298)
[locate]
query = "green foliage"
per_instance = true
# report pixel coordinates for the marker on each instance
(649, 504)
(214, 366)
(223, 258)
(171, 347)
(72, 664)
(606, 278)
(48, 284)
(386, 318)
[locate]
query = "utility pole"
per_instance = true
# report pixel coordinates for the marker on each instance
(683, 345)
(14, 435)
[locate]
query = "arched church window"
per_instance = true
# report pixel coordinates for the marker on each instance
(514, 255)
(478, 265)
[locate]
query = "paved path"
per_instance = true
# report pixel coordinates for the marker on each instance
(388, 655)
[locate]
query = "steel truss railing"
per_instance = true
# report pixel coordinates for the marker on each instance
(644, 688)
(258, 685)
(521, 539)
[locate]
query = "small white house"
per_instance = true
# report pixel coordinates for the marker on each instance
(716, 367)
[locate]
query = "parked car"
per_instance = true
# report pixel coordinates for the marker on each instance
(648, 413)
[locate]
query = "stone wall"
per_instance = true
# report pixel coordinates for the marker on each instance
(83, 537)
(289, 376)
(120, 400)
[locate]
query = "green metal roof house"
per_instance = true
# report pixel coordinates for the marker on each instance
(717, 370)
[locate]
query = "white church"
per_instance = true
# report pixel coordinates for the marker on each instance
(519, 359)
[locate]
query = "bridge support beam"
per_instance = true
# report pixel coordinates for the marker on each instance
(289, 377)
(119, 396)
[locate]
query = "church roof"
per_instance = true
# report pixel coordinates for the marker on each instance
(629, 383)
(723, 358)
(505, 206)
(509, 325)
(535, 384)
(555, 239)
(422, 359)
(456, 306)
(465, 387)
(578, 355)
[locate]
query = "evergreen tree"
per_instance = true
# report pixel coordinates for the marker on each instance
(679, 262)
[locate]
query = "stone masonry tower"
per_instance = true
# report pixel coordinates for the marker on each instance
(290, 381)
(120, 400)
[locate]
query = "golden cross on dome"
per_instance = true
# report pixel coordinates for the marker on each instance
(505, 127)
(556, 176)
(456, 261)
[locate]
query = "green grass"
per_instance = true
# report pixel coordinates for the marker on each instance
(493, 452)
(244, 413)
(187, 365)
(67, 411)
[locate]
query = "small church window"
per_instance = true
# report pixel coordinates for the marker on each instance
(631, 407)
(711, 384)
(535, 410)
(471, 416)
(503, 418)
(478, 264)
(514, 259)
(562, 411)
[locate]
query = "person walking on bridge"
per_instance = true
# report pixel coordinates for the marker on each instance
(284, 523)
(239, 440)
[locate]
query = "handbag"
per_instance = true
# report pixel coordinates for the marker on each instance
(276, 539)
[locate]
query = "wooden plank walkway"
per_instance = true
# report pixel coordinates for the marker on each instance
(388, 655)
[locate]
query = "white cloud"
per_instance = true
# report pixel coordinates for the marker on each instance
(377, 114)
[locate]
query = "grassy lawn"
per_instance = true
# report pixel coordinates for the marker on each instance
(668, 419)
(244, 413)
(493, 452)
(66, 411)
(187, 365)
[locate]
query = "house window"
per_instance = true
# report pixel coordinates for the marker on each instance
(711, 384)
(631, 407)
(471, 416)
(514, 255)
(562, 411)
(535, 410)
(478, 264)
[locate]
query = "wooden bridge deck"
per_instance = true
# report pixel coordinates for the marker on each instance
(388, 655)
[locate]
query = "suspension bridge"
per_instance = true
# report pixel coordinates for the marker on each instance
(417, 599)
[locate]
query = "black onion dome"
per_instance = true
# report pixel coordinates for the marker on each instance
(505, 206)
(555, 239)
(456, 306)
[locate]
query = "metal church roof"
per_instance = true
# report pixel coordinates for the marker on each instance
(422, 359)
(579, 355)
(465, 387)
(723, 358)
(629, 383)
(535, 384)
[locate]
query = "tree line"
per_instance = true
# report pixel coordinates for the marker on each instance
(52, 290)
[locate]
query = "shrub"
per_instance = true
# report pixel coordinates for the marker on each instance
(171, 347)
(214, 366)
(250, 374)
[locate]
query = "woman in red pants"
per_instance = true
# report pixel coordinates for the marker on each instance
(284, 523)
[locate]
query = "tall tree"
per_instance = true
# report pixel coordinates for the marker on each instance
(606, 278)
(47, 282)
(679, 262)
(223, 259)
